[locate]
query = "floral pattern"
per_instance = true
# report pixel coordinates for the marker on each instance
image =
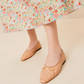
(18, 15)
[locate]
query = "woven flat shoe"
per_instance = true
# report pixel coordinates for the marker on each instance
(29, 53)
(50, 72)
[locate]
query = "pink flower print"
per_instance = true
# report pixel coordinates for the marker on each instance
(28, 5)
(25, 7)
(64, 14)
(6, 30)
(33, 24)
(20, 1)
(65, 11)
(35, 7)
(24, 0)
(37, 11)
(24, 20)
(43, 1)
(17, 12)
(1, 6)
(11, 3)
(55, 11)
(42, 12)
(27, 2)
(50, 8)
(69, 4)
(19, 18)
(60, 7)
(55, 15)
(62, 0)
(31, 21)
(4, 11)
(79, 3)
(13, 20)
(48, 1)
(49, 20)
(38, 3)
(16, 0)
(9, 14)
(33, 14)
(72, 2)
(28, 26)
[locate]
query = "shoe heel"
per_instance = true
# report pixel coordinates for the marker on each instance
(64, 62)
(39, 49)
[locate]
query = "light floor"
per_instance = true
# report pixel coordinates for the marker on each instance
(12, 46)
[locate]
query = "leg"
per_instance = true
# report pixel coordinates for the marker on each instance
(54, 49)
(33, 46)
(55, 53)
(33, 38)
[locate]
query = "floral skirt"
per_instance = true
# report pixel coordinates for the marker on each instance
(18, 15)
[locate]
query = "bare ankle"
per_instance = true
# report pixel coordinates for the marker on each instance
(32, 44)
(53, 57)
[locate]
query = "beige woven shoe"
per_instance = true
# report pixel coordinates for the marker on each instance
(29, 53)
(50, 72)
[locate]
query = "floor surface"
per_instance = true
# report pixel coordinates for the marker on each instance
(12, 46)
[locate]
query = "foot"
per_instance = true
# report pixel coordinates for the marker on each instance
(48, 73)
(53, 58)
(30, 51)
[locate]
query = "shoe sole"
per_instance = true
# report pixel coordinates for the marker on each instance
(64, 62)
(38, 49)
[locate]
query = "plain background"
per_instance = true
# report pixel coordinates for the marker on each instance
(71, 38)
